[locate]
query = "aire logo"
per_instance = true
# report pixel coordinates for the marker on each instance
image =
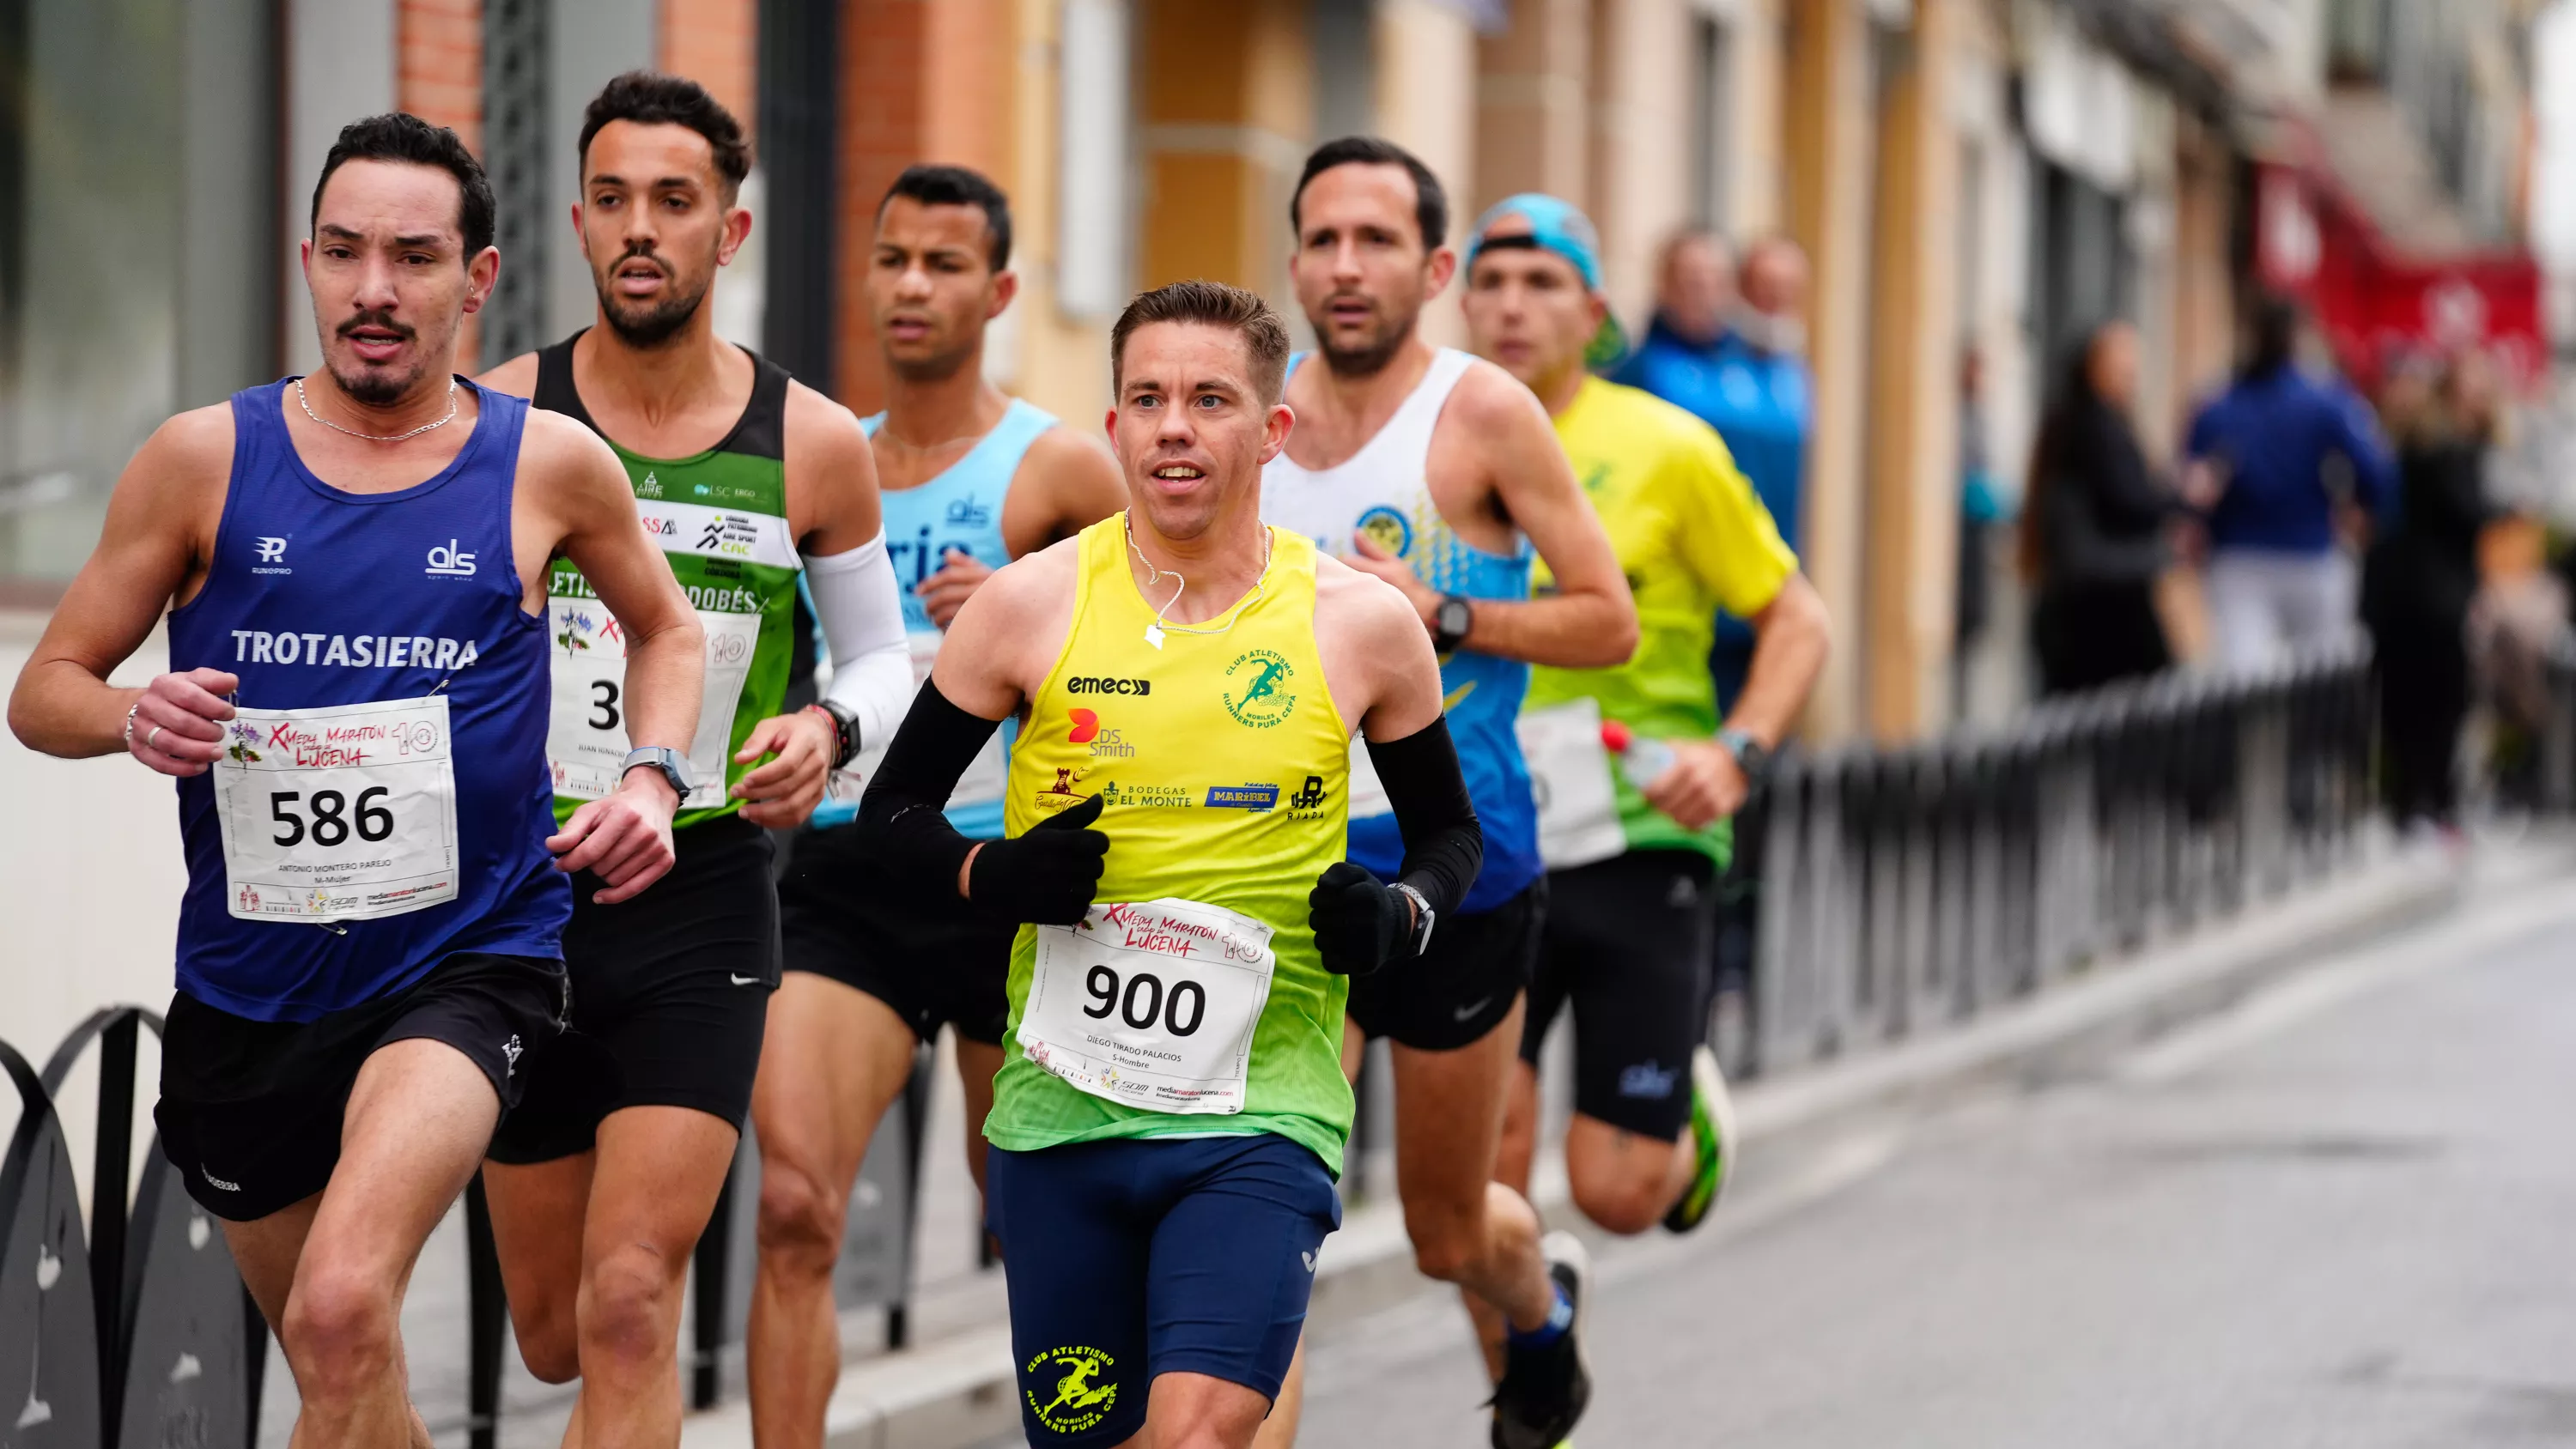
(446, 561)
(651, 487)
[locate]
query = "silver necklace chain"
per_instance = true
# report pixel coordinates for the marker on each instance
(378, 437)
(1155, 631)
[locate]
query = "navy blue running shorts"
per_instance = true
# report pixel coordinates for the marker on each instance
(1137, 1257)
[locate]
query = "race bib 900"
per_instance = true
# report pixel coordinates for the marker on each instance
(344, 812)
(1151, 1003)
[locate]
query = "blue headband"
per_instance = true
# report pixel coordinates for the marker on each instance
(1555, 226)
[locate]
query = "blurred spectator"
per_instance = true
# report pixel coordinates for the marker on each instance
(1734, 352)
(1981, 507)
(2279, 580)
(2420, 577)
(2094, 525)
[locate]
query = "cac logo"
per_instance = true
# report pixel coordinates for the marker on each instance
(1256, 688)
(1387, 529)
(1081, 1397)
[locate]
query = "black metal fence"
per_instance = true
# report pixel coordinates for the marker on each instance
(1887, 892)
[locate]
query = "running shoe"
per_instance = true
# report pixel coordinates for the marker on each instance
(1712, 1126)
(1545, 1390)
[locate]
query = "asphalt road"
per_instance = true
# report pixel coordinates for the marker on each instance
(2342, 1214)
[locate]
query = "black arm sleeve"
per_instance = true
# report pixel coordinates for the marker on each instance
(903, 819)
(1443, 846)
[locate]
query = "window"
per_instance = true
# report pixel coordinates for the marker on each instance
(138, 226)
(1710, 74)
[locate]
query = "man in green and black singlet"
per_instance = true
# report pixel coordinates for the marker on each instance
(745, 479)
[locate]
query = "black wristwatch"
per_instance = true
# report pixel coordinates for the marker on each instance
(1750, 755)
(667, 762)
(845, 731)
(1452, 621)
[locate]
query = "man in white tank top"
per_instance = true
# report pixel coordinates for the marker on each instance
(870, 974)
(1439, 473)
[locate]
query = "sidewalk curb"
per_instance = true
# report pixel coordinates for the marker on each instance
(962, 1391)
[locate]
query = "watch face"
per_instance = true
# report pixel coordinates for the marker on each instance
(1456, 616)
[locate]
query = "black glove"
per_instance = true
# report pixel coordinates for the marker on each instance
(1047, 875)
(1359, 923)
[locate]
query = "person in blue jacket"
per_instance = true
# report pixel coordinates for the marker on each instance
(1733, 351)
(2278, 457)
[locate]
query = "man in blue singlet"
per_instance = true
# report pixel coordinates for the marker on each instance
(369, 950)
(969, 480)
(1439, 473)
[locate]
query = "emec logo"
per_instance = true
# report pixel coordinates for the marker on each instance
(1256, 690)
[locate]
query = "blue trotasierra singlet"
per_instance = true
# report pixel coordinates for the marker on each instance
(318, 597)
(1383, 490)
(961, 508)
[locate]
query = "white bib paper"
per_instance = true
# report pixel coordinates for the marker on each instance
(586, 739)
(1578, 806)
(1151, 1004)
(339, 813)
(1368, 792)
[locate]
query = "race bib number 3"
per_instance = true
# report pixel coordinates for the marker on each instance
(586, 737)
(343, 813)
(1150, 1003)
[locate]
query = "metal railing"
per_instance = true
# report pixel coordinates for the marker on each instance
(1900, 889)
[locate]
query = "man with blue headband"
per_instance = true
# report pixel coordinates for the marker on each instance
(1634, 842)
(1437, 473)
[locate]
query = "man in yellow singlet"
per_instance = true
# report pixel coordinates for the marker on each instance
(1170, 1113)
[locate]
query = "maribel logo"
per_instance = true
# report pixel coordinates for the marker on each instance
(1082, 1395)
(1242, 797)
(1093, 684)
(132, 1332)
(1256, 688)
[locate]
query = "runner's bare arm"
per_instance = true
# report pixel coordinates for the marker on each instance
(833, 510)
(158, 539)
(1378, 663)
(1005, 640)
(582, 493)
(1791, 635)
(1590, 622)
(1065, 483)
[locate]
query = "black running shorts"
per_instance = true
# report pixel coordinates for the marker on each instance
(670, 996)
(931, 960)
(1463, 986)
(1630, 944)
(251, 1111)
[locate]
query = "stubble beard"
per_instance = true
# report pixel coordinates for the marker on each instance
(1371, 359)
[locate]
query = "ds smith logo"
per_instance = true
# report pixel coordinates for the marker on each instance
(445, 561)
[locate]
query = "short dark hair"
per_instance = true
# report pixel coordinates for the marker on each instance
(402, 136)
(957, 186)
(650, 98)
(1213, 304)
(1430, 202)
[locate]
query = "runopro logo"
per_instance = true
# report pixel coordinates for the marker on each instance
(446, 560)
(1096, 684)
(272, 550)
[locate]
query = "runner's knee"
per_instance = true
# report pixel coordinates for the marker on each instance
(1448, 1242)
(1626, 1204)
(800, 1219)
(632, 1305)
(340, 1332)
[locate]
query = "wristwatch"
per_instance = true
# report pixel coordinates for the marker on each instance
(673, 765)
(1452, 621)
(845, 730)
(1750, 754)
(1422, 916)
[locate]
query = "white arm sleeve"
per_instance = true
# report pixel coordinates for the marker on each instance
(856, 602)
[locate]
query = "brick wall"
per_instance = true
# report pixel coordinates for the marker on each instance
(717, 44)
(439, 78)
(922, 80)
